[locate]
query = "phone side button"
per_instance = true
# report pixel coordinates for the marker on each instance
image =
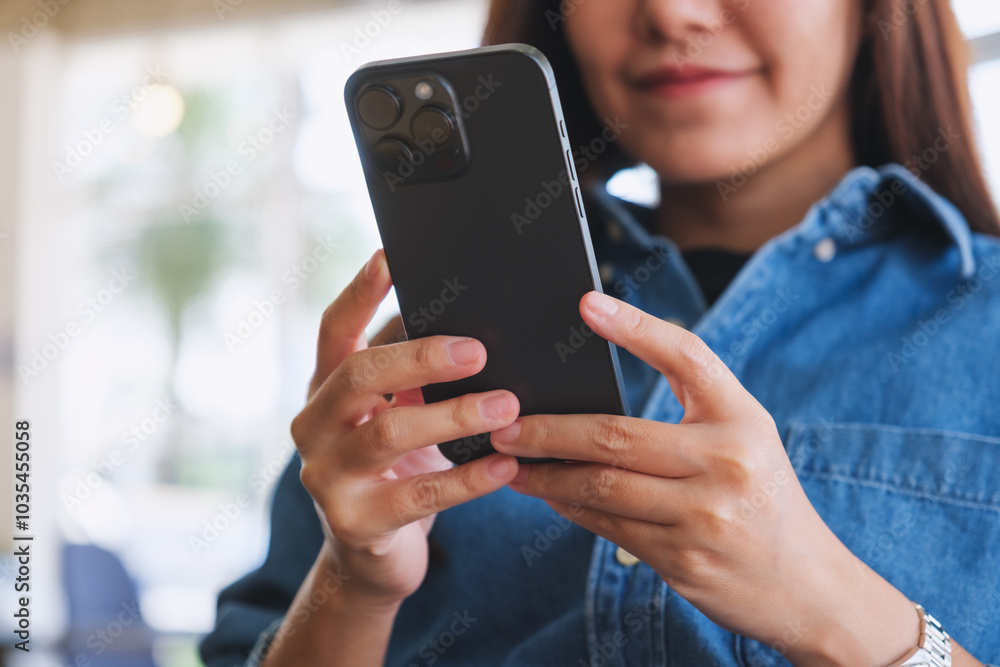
(562, 128)
(569, 165)
(579, 200)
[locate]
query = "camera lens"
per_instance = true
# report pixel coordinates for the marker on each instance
(390, 155)
(379, 108)
(431, 123)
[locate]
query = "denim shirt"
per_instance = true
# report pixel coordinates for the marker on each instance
(868, 331)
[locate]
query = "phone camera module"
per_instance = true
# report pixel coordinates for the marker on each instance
(432, 124)
(392, 156)
(379, 108)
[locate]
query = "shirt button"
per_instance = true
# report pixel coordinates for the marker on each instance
(625, 558)
(607, 272)
(825, 250)
(677, 322)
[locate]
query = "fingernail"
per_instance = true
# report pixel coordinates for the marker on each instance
(463, 352)
(602, 305)
(501, 467)
(508, 434)
(495, 407)
(374, 266)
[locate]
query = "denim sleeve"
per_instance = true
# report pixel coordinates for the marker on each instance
(251, 610)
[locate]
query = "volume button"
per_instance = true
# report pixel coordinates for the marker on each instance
(562, 128)
(579, 200)
(569, 165)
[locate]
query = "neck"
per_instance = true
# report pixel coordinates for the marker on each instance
(773, 200)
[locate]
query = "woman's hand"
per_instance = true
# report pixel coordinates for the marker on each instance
(711, 504)
(371, 464)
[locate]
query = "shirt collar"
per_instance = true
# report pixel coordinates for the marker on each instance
(867, 203)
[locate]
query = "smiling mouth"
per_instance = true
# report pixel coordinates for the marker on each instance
(690, 80)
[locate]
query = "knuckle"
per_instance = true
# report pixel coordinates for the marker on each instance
(604, 484)
(719, 520)
(537, 429)
(738, 467)
(424, 355)
(464, 414)
(300, 430)
(635, 321)
(425, 495)
(694, 353)
(353, 374)
(698, 361)
(693, 564)
(612, 437)
(318, 482)
(605, 523)
(386, 431)
(344, 525)
(310, 479)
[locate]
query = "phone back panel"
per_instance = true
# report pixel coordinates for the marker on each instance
(501, 252)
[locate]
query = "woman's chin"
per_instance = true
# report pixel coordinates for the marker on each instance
(691, 174)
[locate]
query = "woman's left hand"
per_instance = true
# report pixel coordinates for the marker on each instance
(712, 504)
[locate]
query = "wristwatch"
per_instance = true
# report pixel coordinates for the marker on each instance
(934, 645)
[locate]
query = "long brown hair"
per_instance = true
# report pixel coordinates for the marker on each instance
(908, 93)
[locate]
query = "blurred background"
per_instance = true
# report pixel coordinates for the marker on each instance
(180, 197)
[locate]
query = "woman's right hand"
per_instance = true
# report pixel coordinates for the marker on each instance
(371, 464)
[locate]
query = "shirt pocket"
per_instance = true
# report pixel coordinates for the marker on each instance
(921, 507)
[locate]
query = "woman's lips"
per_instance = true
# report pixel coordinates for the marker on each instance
(688, 80)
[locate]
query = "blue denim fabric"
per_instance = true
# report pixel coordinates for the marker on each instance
(868, 331)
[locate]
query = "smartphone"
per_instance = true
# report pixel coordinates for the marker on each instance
(478, 206)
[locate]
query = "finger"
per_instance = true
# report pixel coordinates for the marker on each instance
(655, 448)
(614, 528)
(699, 379)
(357, 385)
(392, 332)
(605, 488)
(403, 501)
(342, 327)
(378, 444)
(407, 397)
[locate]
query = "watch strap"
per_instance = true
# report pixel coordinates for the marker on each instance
(933, 646)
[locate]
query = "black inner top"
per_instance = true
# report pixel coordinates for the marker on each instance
(714, 269)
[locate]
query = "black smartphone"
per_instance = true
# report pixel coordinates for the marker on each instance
(478, 206)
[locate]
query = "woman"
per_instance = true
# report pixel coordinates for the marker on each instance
(815, 456)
